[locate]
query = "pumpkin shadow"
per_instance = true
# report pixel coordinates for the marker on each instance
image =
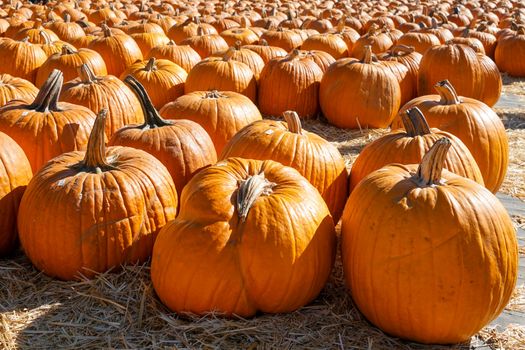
(8, 212)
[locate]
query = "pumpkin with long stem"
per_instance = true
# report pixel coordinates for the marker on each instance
(408, 146)
(183, 146)
(111, 204)
(473, 122)
(251, 236)
(411, 234)
(287, 143)
(46, 128)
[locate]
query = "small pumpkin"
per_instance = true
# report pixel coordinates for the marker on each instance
(206, 44)
(266, 51)
(283, 38)
(251, 236)
(147, 41)
(423, 231)
(330, 43)
(131, 188)
(13, 88)
(221, 113)
(182, 146)
(21, 58)
(183, 55)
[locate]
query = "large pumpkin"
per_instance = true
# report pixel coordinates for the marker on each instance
(221, 113)
(359, 94)
(46, 128)
(287, 143)
(509, 53)
(87, 212)
(474, 123)
(164, 79)
(290, 83)
(428, 255)
(182, 146)
(15, 174)
(408, 146)
(251, 236)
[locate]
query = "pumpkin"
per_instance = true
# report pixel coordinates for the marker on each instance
(290, 83)
(321, 58)
(358, 94)
(222, 74)
(248, 57)
(221, 113)
(251, 236)
(147, 41)
(492, 83)
(119, 51)
(68, 62)
(440, 245)
(409, 145)
(98, 92)
(164, 79)
(34, 34)
(287, 143)
(283, 38)
(508, 49)
(67, 30)
(245, 35)
(187, 29)
(474, 123)
(183, 55)
(380, 42)
(182, 146)
(330, 43)
(421, 42)
(21, 58)
(266, 52)
(15, 174)
(111, 204)
(206, 45)
(442, 33)
(13, 88)
(348, 34)
(46, 128)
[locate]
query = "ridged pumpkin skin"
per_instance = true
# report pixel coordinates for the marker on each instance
(408, 146)
(330, 43)
(68, 62)
(163, 79)
(182, 146)
(14, 88)
(290, 83)
(358, 94)
(21, 58)
(15, 174)
(432, 263)
(474, 123)
(108, 92)
(266, 52)
(109, 214)
(47, 128)
(276, 259)
(285, 142)
(183, 55)
(508, 49)
(222, 114)
(222, 74)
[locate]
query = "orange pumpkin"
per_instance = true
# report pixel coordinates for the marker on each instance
(421, 42)
(47, 128)
(287, 143)
(163, 78)
(510, 47)
(330, 43)
(234, 247)
(182, 146)
(147, 41)
(472, 121)
(266, 51)
(413, 235)
(221, 113)
(283, 38)
(408, 146)
(377, 40)
(183, 55)
(13, 88)
(21, 58)
(290, 83)
(15, 174)
(131, 188)
(206, 45)
(358, 94)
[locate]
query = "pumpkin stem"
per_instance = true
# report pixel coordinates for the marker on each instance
(151, 115)
(213, 94)
(263, 42)
(151, 65)
(431, 167)
(415, 123)
(400, 50)
(368, 56)
(47, 98)
(86, 74)
(228, 55)
(95, 159)
(106, 30)
(67, 18)
(67, 50)
(249, 190)
(293, 121)
(447, 92)
(171, 42)
(238, 45)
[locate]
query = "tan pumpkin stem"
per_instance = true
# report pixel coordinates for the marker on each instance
(95, 158)
(86, 74)
(368, 56)
(238, 45)
(67, 18)
(293, 121)
(447, 92)
(400, 50)
(213, 94)
(228, 55)
(415, 123)
(171, 42)
(249, 190)
(106, 30)
(151, 65)
(67, 50)
(47, 98)
(200, 31)
(431, 167)
(151, 115)
(520, 31)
